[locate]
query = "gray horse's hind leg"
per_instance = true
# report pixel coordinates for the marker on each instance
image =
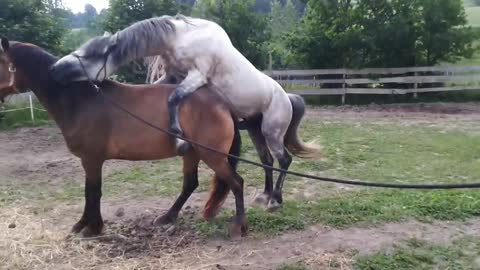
(277, 199)
(192, 82)
(255, 131)
(275, 124)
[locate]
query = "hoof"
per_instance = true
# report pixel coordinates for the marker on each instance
(262, 199)
(210, 215)
(238, 229)
(165, 219)
(182, 147)
(274, 205)
(78, 227)
(92, 230)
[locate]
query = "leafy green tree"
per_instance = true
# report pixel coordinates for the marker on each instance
(123, 13)
(282, 20)
(31, 21)
(248, 31)
(389, 34)
(327, 37)
(381, 33)
(445, 36)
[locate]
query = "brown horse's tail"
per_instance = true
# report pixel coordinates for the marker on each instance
(220, 188)
(293, 143)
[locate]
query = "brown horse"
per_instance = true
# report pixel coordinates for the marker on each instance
(95, 131)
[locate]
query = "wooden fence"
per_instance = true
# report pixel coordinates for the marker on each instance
(396, 81)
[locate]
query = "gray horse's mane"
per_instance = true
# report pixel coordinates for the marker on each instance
(143, 37)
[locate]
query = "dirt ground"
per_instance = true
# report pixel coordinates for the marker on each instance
(33, 239)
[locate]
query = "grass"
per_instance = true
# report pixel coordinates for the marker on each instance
(462, 254)
(375, 152)
(385, 152)
(22, 118)
(394, 153)
(382, 151)
(359, 208)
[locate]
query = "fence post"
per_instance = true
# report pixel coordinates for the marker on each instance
(31, 108)
(270, 62)
(415, 86)
(343, 87)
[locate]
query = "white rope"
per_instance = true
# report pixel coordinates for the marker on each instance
(14, 110)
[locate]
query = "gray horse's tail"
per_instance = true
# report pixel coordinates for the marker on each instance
(293, 143)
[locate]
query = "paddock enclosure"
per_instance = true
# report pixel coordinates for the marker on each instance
(321, 226)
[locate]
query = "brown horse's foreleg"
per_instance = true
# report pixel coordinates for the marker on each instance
(190, 183)
(91, 222)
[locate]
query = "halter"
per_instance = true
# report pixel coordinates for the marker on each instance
(12, 69)
(104, 69)
(11, 82)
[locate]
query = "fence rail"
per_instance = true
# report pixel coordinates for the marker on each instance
(378, 81)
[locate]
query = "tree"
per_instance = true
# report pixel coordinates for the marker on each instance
(123, 13)
(327, 36)
(381, 33)
(248, 31)
(445, 36)
(90, 14)
(390, 31)
(282, 20)
(31, 21)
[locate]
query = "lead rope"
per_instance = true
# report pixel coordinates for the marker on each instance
(308, 176)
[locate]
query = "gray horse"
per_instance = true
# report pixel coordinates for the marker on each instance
(195, 52)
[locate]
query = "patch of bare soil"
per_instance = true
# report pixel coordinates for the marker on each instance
(442, 116)
(316, 244)
(426, 108)
(34, 239)
(130, 241)
(41, 155)
(426, 111)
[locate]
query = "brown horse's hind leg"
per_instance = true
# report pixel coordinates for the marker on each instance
(91, 222)
(190, 183)
(226, 173)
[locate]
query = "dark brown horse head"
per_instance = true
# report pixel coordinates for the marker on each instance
(7, 71)
(14, 66)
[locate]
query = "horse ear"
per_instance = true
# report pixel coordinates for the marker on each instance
(5, 44)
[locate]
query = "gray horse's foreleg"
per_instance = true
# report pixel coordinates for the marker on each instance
(192, 82)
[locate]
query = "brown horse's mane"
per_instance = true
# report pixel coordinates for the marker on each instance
(29, 57)
(35, 63)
